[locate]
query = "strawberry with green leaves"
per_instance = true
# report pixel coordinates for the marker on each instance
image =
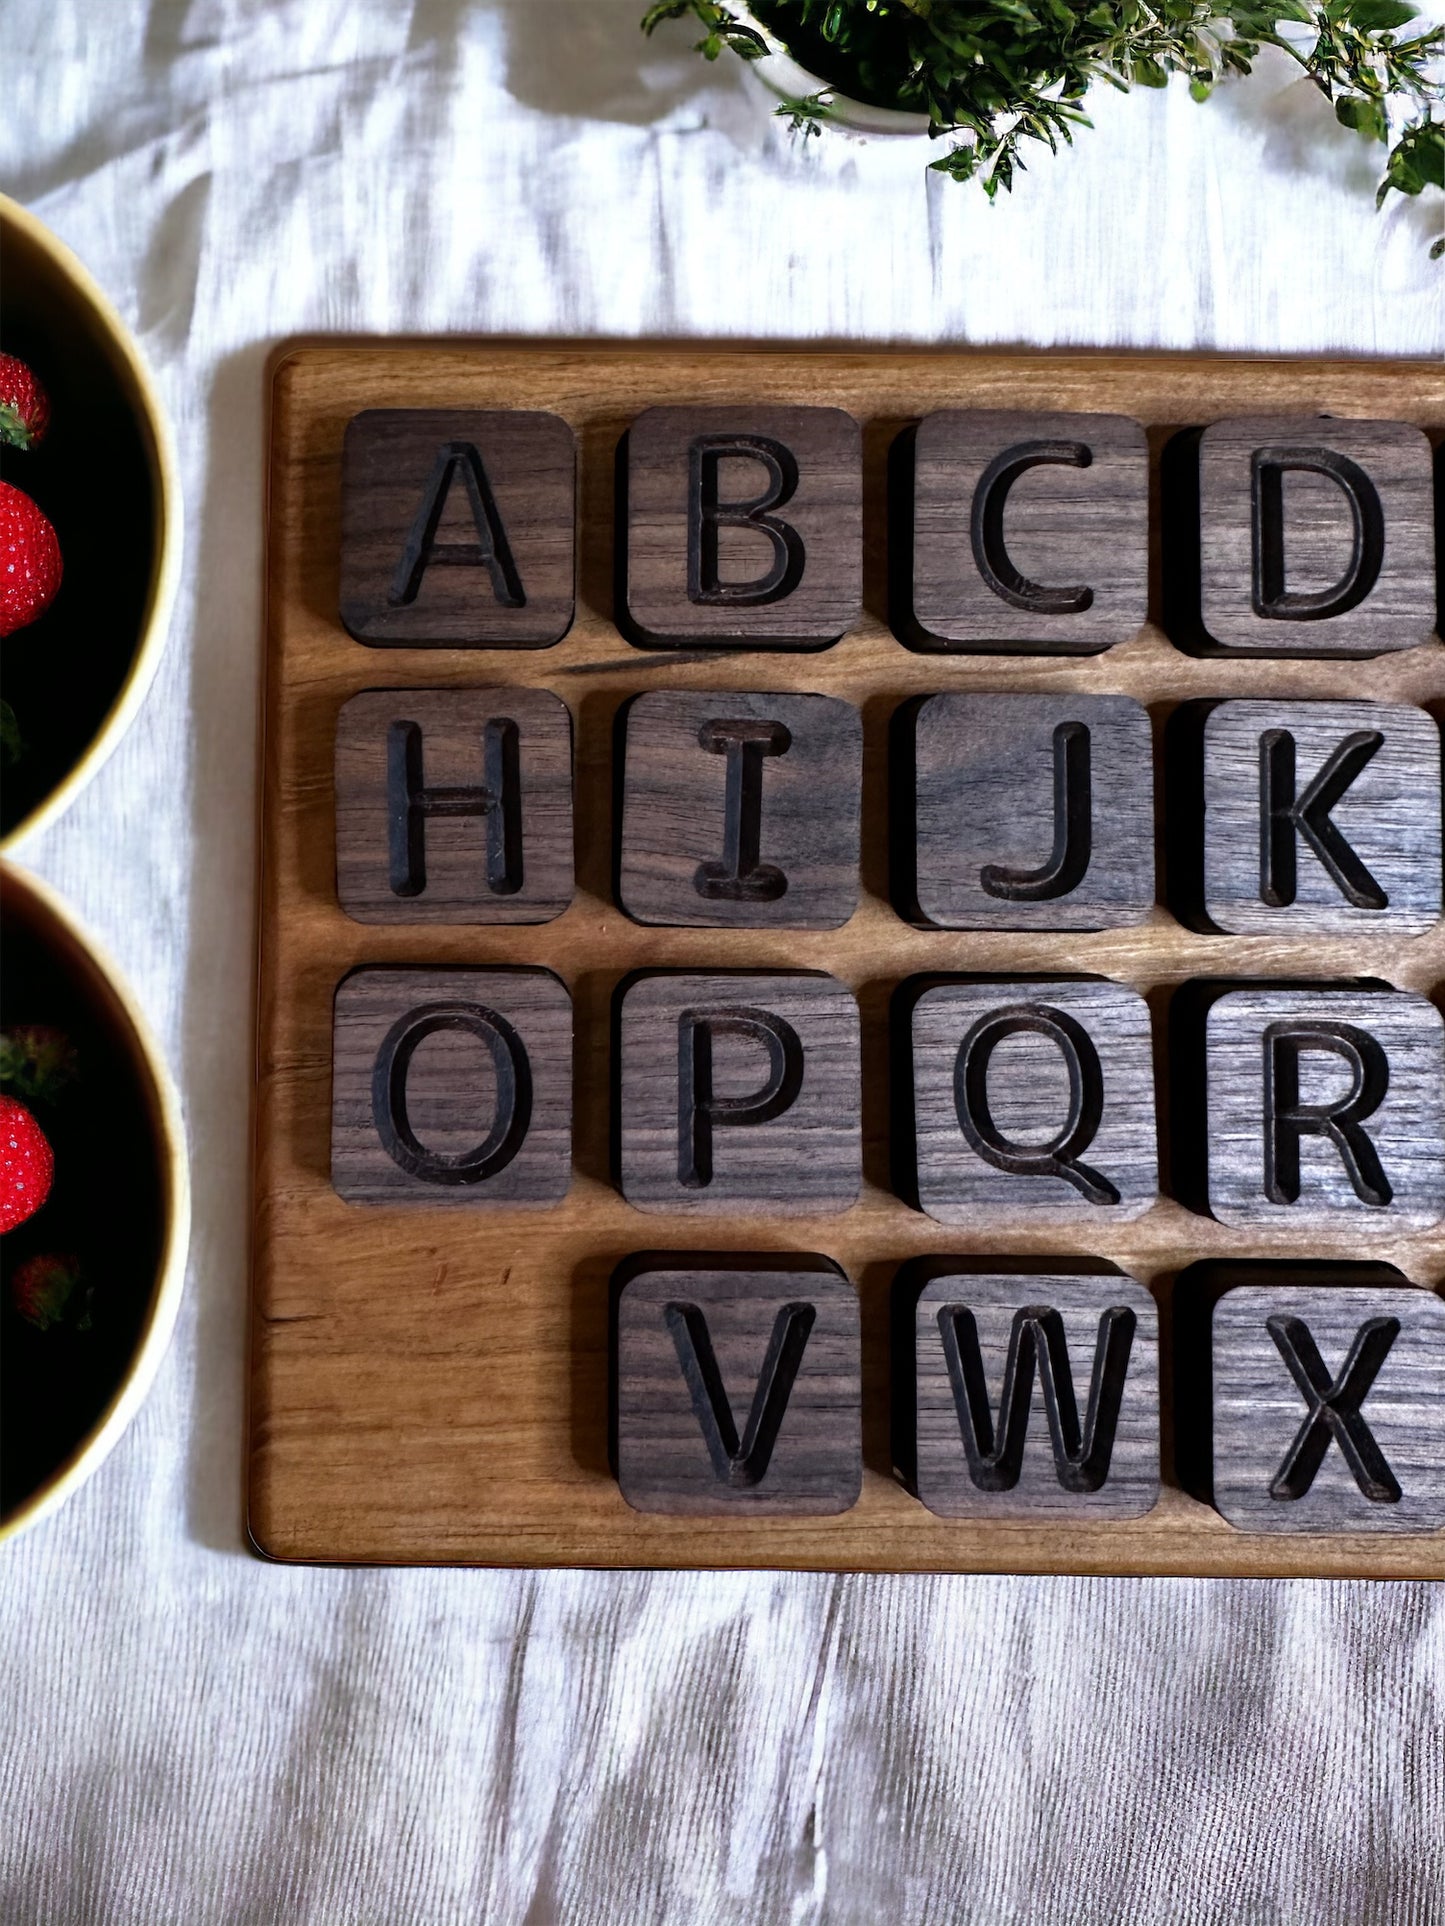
(46, 1290)
(24, 405)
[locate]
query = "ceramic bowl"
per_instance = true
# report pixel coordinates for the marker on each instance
(120, 1203)
(105, 474)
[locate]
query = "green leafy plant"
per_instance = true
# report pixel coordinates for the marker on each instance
(993, 75)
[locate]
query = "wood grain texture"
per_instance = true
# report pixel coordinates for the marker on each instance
(736, 1384)
(477, 1433)
(458, 528)
(1022, 532)
(1284, 783)
(740, 527)
(1325, 1105)
(974, 1433)
(738, 1093)
(1329, 1409)
(452, 1087)
(1312, 538)
(454, 806)
(740, 810)
(1023, 812)
(1025, 1096)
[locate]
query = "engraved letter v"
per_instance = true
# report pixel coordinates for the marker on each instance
(741, 1464)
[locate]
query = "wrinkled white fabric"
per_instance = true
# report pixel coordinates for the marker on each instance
(192, 1736)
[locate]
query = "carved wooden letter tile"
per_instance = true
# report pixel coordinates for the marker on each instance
(740, 527)
(1026, 534)
(736, 1384)
(740, 811)
(457, 528)
(737, 1092)
(1023, 812)
(454, 806)
(1029, 1097)
(1325, 1108)
(1021, 1393)
(1321, 816)
(452, 1087)
(1329, 1408)
(1305, 535)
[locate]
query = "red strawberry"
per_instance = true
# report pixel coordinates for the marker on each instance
(30, 565)
(43, 1287)
(24, 405)
(27, 1164)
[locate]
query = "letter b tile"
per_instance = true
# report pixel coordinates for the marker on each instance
(737, 1092)
(740, 527)
(740, 810)
(1023, 1394)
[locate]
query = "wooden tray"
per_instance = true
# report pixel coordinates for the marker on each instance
(431, 1386)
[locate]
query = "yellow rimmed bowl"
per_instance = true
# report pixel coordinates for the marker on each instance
(105, 474)
(119, 1206)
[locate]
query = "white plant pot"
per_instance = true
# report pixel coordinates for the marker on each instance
(787, 80)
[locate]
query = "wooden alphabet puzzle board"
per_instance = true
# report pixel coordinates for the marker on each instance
(987, 1104)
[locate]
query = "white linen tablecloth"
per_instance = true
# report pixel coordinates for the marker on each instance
(192, 1736)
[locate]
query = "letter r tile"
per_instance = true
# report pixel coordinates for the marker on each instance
(1325, 1108)
(740, 527)
(1018, 1096)
(737, 1092)
(740, 810)
(452, 1087)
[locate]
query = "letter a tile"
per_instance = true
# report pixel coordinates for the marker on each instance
(1023, 1394)
(458, 528)
(736, 1384)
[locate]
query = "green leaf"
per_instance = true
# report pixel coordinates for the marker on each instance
(1380, 16)
(1437, 248)
(1201, 89)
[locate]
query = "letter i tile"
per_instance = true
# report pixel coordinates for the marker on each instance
(740, 810)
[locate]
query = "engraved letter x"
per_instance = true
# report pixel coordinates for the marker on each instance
(1334, 1409)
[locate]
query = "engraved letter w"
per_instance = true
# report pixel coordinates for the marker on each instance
(1081, 1459)
(740, 1463)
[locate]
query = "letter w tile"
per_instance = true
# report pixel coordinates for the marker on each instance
(1037, 1342)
